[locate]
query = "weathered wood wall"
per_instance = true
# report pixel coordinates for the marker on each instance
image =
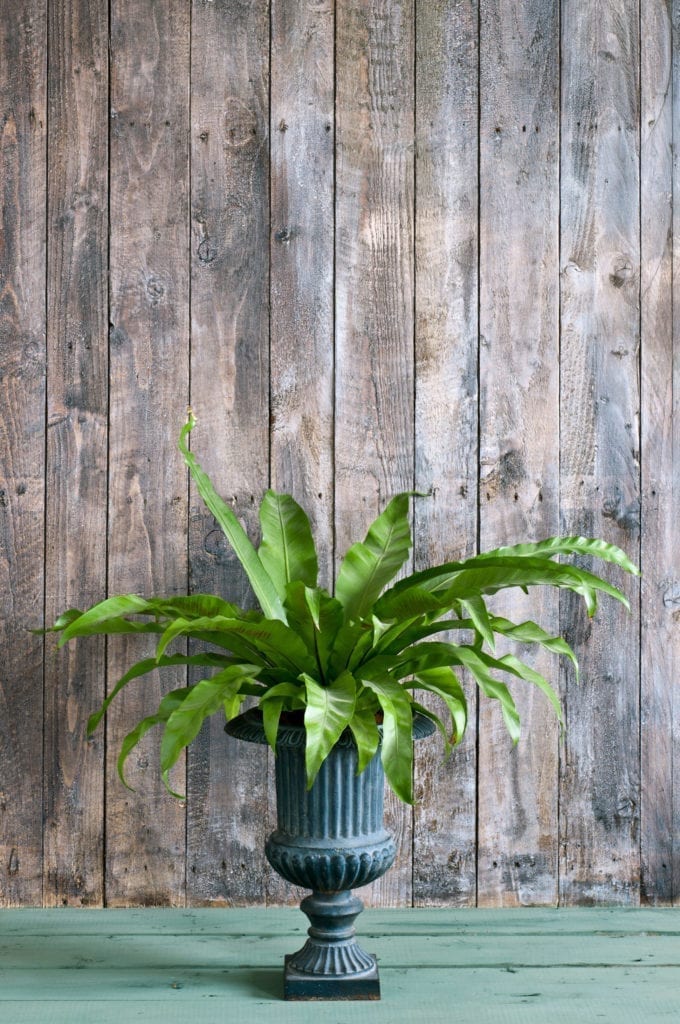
(378, 244)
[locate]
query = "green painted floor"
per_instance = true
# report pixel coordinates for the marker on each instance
(213, 966)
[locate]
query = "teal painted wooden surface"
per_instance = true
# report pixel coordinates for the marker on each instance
(476, 966)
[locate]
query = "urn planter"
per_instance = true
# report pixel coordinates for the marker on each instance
(330, 839)
(349, 667)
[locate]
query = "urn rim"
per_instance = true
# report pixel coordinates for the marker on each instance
(248, 727)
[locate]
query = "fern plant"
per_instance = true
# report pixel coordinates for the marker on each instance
(354, 660)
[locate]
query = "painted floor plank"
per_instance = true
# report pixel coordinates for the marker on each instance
(284, 920)
(482, 967)
(128, 952)
(432, 996)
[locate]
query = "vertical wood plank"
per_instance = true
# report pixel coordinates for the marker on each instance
(76, 481)
(227, 806)
(660, 448)
(302, 252)
(145, 831)
(302, 132)
(675, 409)
(445, 524)
(599, 797)
(519, 439)
(374, 296)
(675, 413)
(23, 37)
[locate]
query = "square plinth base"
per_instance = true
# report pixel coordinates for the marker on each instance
(299, 986)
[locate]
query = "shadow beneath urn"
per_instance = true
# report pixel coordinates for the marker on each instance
(264, 983)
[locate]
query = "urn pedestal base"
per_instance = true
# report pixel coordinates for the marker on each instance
(331, 964)
(299, 986)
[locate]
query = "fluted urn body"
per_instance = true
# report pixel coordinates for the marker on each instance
(330, 839)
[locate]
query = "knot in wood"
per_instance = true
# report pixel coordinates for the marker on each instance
(240, 124)
(622, 271)
(206, 252)
(155, 290)
(285, 235)
(671, 597)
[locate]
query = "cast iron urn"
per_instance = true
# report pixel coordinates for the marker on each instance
(329, 839)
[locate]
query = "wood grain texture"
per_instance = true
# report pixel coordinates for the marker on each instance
(374, 452)
(446, 405)
(302, 133)
(509, 966)
(600, 444)
(674, 412)
(149, 359)
(76, 486)
(230, 393)
(23, 33)
(519, 439)
(302, 125)
(660, 446)
(337, 186)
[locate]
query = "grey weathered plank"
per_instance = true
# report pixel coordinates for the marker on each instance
(446, 396)
(660, 447)
(23, 127)
(302, 253)
(600, 446)
(519, 439)
(302, 132)
(149, 360)
(675, 411)
(374, 296)
(230, 392)
(76, 481)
